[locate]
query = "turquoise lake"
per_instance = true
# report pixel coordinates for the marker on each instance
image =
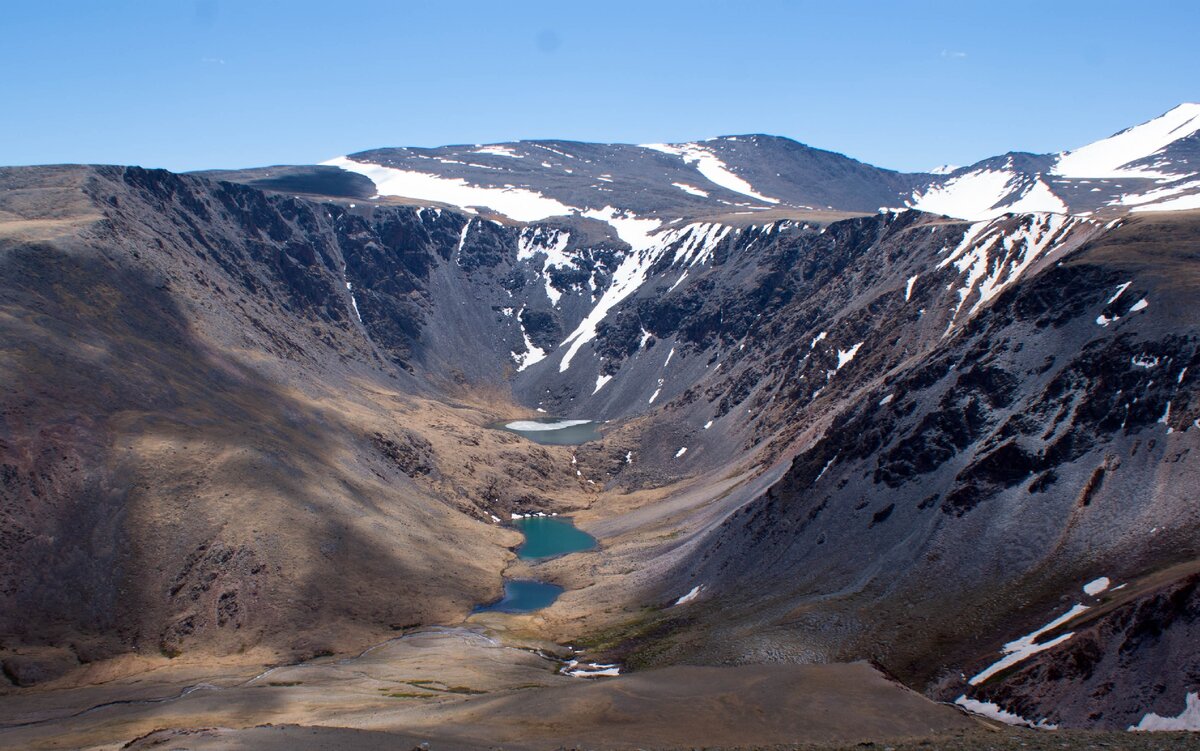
(547, 536)
(523, 596)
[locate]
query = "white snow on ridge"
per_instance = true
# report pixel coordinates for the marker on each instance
(1120, 291)
(986, 194)
(710, 165)
(577, 669)
(518, 203)
(1108, 157)
(1097, 586)
(1158, 194)
(969, 196)
(497, 150)
(692, 594)
(700, 240)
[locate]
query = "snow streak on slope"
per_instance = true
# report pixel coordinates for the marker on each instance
(693, 245)
(519, 203)
(549, 242)
(991, 256)
(711, 166)
(1109, 158)
(533, 354)
(1183, 203)
(1027, 646)
(644, 251)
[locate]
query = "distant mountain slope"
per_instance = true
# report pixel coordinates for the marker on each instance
(1154, 166)
(1150, 167)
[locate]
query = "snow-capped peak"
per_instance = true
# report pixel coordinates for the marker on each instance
(1110, 157)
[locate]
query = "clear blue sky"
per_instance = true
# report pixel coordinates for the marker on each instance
(908, 85)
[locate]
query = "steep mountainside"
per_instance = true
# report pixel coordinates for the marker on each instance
(249, 413)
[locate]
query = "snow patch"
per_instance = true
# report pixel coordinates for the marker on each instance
(988, 709)
(577, 669)
(601, 382)
(1110, 157)
(710, 165)
(1183, 203)
(681, 452)
(845, 356)
(1188, 719)
(518, 203)
(1027, 646)
(497, 150)
(552, 243)
(353, 302)
(1096, 586)
(692, 594)
(691, 189)
(1120, 291)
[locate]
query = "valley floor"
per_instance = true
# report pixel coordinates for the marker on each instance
(477, 688)
(482, 688)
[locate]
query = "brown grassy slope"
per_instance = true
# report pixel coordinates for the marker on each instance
(198, 473)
